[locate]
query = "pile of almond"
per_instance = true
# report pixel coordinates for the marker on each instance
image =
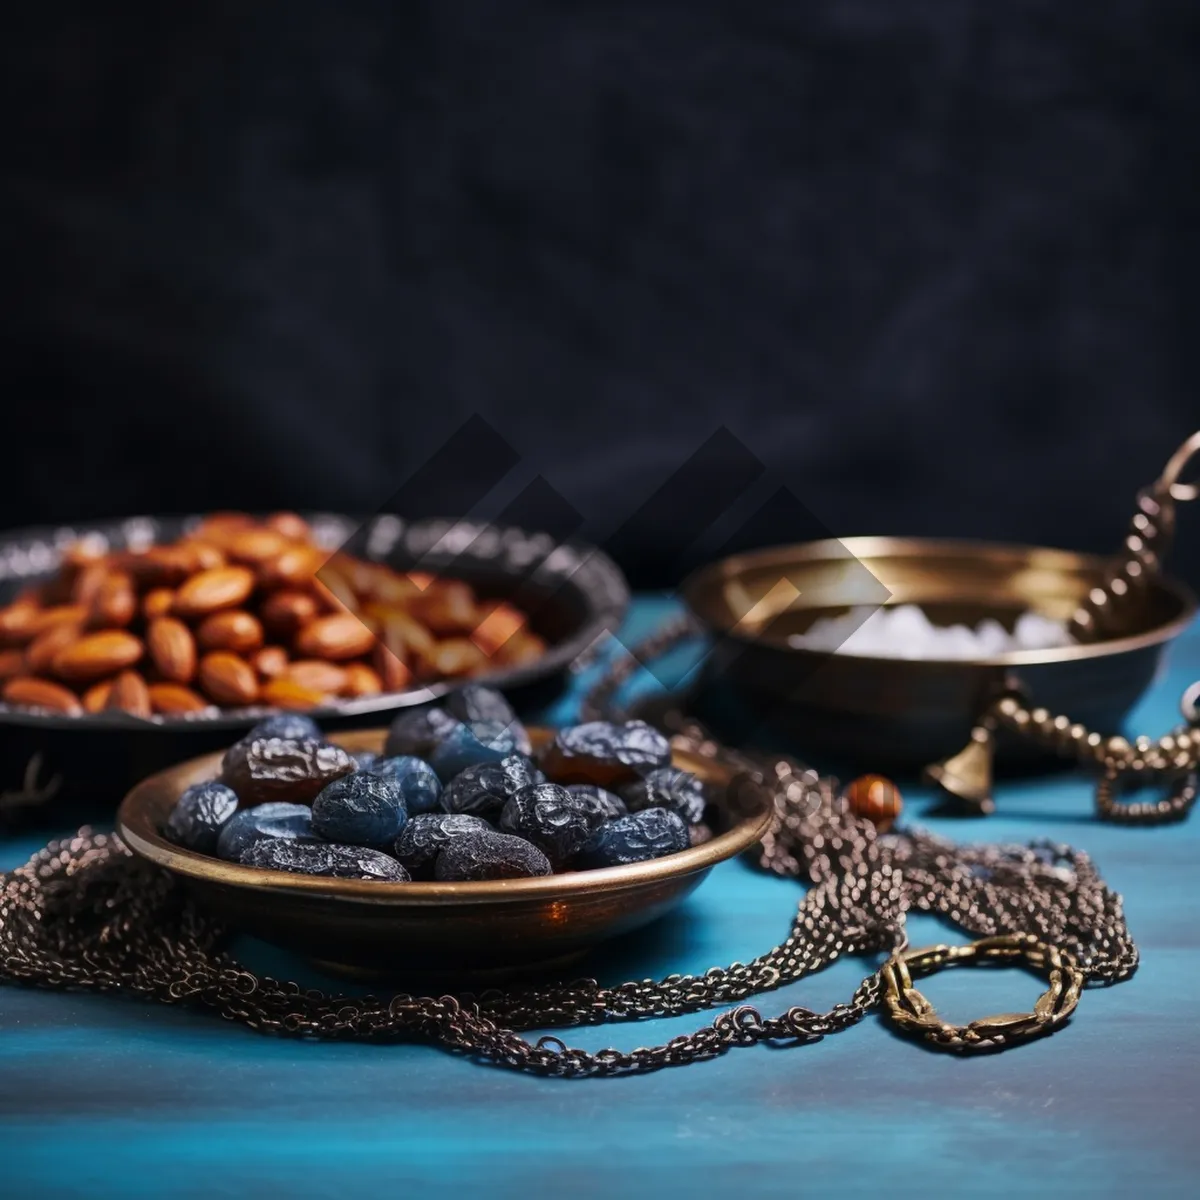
(242, 612)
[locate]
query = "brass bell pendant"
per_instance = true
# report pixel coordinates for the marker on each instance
(967, 776)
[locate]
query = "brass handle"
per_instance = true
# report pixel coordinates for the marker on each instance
(1169, 480)
(1173, 758)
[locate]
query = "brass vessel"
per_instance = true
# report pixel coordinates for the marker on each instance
(847, 709)
(456, 931)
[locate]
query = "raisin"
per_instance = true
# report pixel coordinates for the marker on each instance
(478, 703)
(199, 814)
(318, 858)
(604, 753)
(426, 835)
(282, 768)
(488, 855)
(484, 789)
(418, 782)
(607, 803)
(672, 788)
(361, 810)
(552, 819)
(650, 833)
(250, 825)
(418, 731)
(467, 745)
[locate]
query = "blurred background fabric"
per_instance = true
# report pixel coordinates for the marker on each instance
(932, 263)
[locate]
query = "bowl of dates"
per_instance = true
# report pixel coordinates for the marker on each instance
(128, 646)
(456, 843)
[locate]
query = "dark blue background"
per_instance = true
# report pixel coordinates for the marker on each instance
(932, 262)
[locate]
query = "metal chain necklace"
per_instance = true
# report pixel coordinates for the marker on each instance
(84, 914)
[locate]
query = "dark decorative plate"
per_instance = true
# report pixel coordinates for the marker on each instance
(439, 934)
(82, 765)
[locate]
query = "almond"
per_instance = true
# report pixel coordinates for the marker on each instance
(333, 591)
(60, 614)
(41, 693)
(172, 649)
(227, 679)
(286, 693)
(270, 661)
(209, 591)
(316, 674)
(285, 612)
(12, 662)
(522, 647)
(359, 575)
(338, 636)
(395, 590)
(88, 582)
(393, 672)
(114, 602)
(231, 630)
(361, 681)
(161, 566)
(294, 567)
(129, 694)
(157, 602)
(405, 637)
(42, 651)
(291, 525)
(494, 628)
(446, 606)
(96, 697)
(18, 624)
(255, 546)
(97, 655)
(457, 656)
(207, 555)
(172, 698)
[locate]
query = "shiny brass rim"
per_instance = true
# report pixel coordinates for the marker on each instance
(149, 802)
(864, 549)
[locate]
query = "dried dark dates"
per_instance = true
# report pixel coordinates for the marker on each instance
(484, 789)
(608, 804)
(552, 819)
(638, 837)
(488, 855)
(276, 820)
(321, 858)
(417, 780)
(290, 769)
(453, 797)
(672, 788)
(197, 818)
(427, 835)
(361, 809)
(604, 753)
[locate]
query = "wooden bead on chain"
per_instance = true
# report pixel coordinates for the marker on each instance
(875, 798)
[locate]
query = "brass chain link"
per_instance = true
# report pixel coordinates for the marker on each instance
(85, 914)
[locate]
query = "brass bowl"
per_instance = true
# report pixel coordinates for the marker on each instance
(862, 710)
(459, 931)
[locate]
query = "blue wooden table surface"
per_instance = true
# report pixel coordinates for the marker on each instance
(102, 1096)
